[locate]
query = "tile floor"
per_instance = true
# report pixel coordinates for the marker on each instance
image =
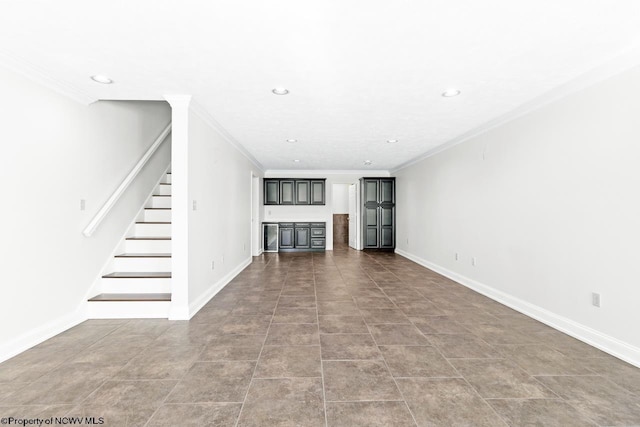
(342, 338)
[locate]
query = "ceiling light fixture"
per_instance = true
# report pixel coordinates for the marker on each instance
(391, 141)
(292, 140)
(367, 162)
(99, 78)
(280, 91)
(450, 93)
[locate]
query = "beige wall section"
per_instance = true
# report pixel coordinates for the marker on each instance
(220, 227)
(54, 153)
(548, 205)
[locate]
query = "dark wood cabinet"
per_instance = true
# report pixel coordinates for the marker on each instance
(303, 192)
(302, 236)
(294, 191)
(271, 192)
(378, 213)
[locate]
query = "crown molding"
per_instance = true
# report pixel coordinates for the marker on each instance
(270, 173)
(615, 65)
(42, 77)
(201, 112)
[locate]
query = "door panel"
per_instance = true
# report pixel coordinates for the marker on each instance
(271, 192)
(302, 238)
(386, 216)
(302, 192)
(371, 237)
(317, 192)
(286, 192)
(386, 191)
(386, 237)
(371, 216)
(286, 238)
(370, 191)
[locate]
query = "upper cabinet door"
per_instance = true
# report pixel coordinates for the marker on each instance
(271, 191)
(386, 191)
(302, 192)
(317, 192)
(287, 190)
(370, 191)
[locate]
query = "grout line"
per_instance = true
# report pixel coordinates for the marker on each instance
(244, 401)
(324, 393)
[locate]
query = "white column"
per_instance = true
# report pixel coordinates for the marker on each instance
(179, 206)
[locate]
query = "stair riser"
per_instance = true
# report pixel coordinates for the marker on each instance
(160, 202)
(157, 216)
(152, 230)
(167, 179)
(142, 264)
(164, 190)
(148, 246)
(135, 286)
(128, 309)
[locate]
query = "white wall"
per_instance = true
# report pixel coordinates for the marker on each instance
(220, 228)
(311, 212)
(340, 198)
(549, 205)
(55, 152)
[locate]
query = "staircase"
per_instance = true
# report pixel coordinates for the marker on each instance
(139, 284)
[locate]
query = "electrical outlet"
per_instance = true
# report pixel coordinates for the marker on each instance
(473, 261)
(213, 265)
(595, 299)
(83, 204)
(195, 205)
(457, 256)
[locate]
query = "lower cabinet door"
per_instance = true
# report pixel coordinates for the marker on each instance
(303, 240)
(286, 238)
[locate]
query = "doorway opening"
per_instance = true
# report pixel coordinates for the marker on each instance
(340, 210)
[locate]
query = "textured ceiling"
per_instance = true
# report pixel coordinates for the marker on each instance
(359, 72)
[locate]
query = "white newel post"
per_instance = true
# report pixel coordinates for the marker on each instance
(180, 206)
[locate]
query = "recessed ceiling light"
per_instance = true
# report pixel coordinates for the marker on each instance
(391, 141)
(99, 78)
(450, 92)
(367, 162)
(292, 140)
(280, 91)
(296, 161)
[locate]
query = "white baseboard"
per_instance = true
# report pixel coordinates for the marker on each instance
(42, 333)
(203, 299)
(604, 342)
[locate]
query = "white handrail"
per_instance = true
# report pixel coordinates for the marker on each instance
(102, 213)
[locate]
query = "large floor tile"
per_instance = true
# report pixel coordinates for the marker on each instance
(289, 361)
(283, 403)
(196, 415)
(214, 382)
(358, 380)
(293, 334)
(447, 402)
(540, 412)
(348, 347)
(369, 414)
(417, 361)
(500, 378)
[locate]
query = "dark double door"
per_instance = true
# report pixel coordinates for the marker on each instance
(378, 196)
